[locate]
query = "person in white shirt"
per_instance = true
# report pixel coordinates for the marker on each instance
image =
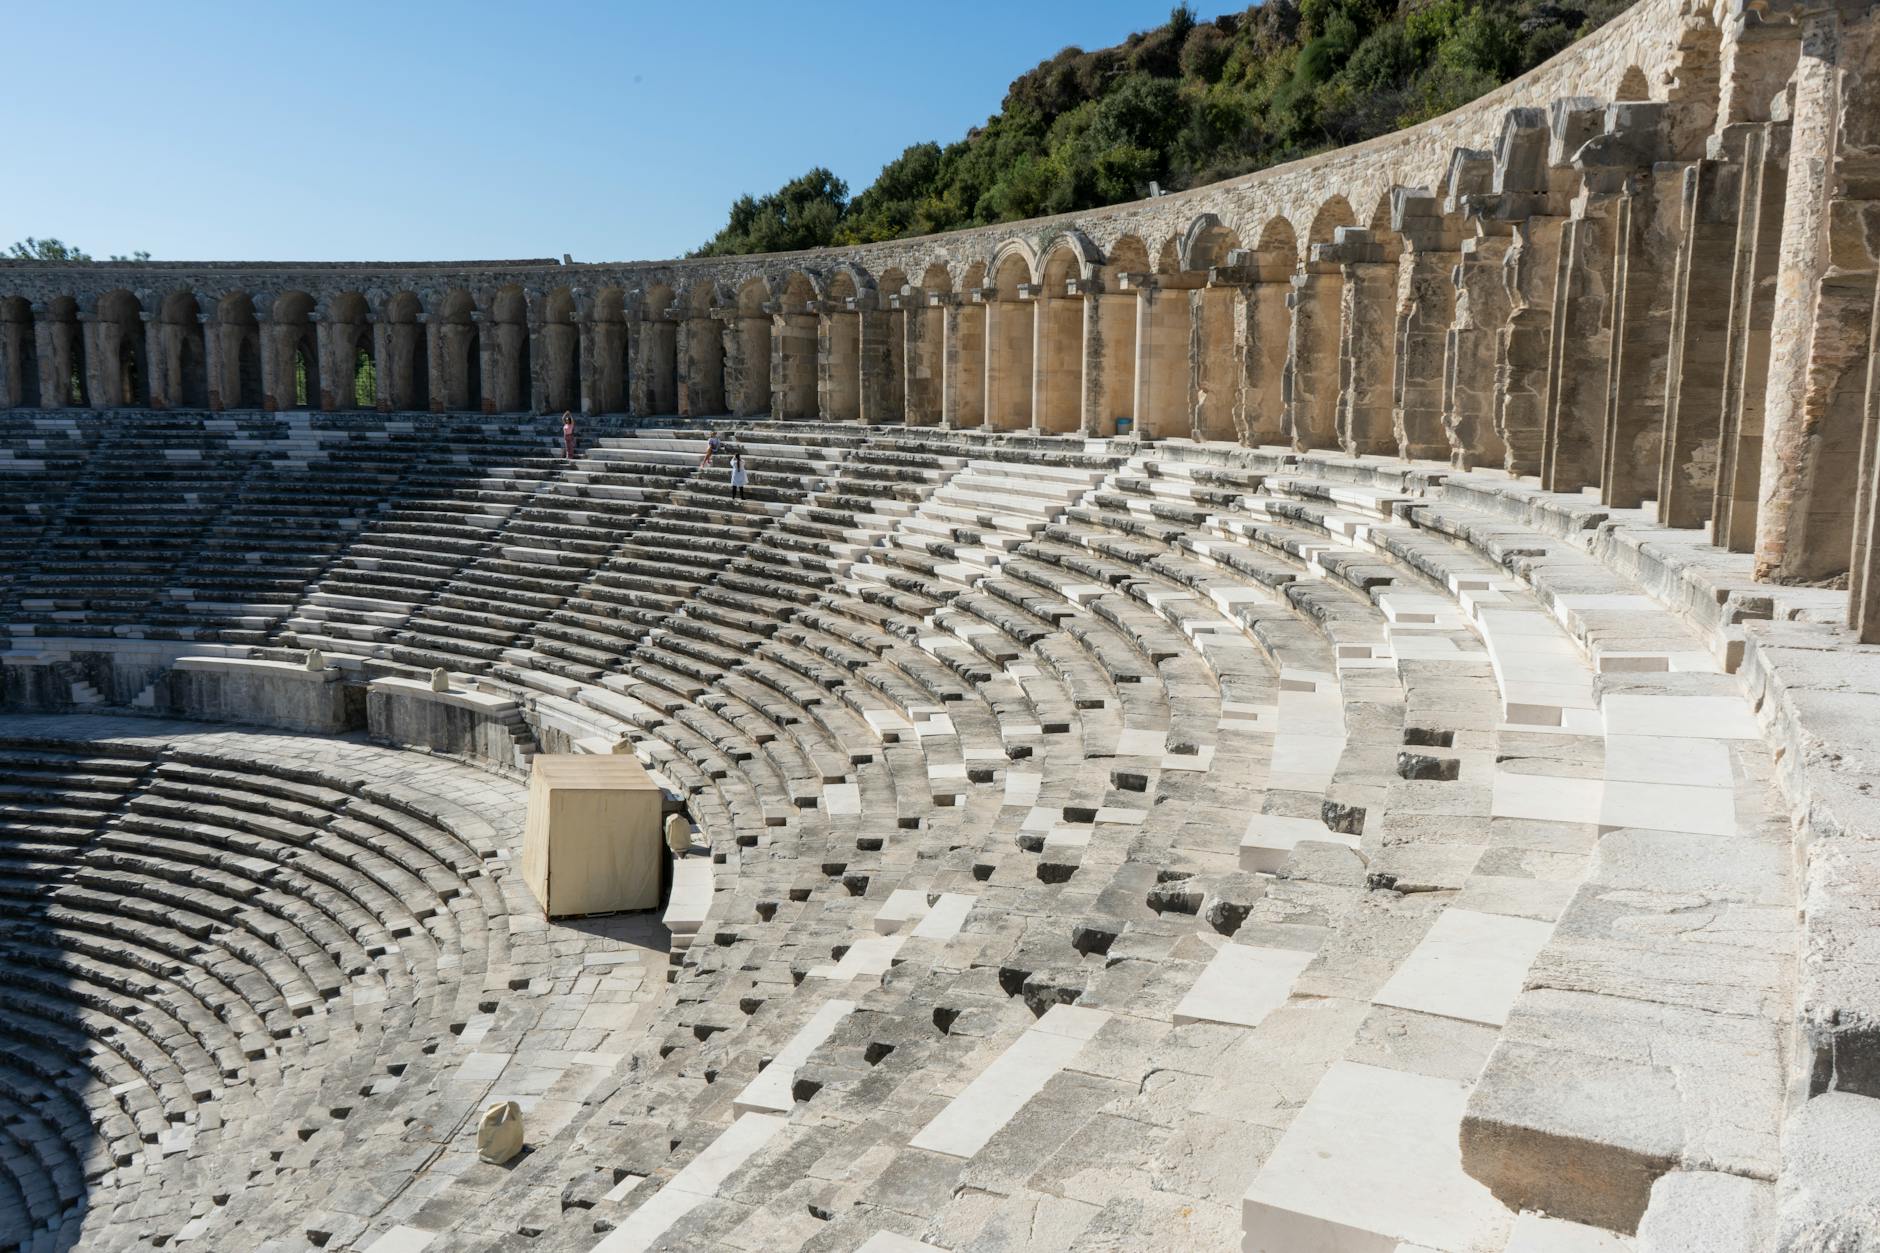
(738, 477)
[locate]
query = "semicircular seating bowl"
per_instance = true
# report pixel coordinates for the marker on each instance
(1172, 843)
(1408, 791)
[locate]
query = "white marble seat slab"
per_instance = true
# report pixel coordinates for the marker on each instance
(999, 1091)
(697, 1183)
(1270, 838)
(770, 1091)
(1468, 965)
(1242, 984)
(1371, 1162)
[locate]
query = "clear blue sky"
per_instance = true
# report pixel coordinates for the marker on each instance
(212, 130)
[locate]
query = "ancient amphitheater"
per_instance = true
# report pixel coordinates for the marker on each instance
(1325, 712)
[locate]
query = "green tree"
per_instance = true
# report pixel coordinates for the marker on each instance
(803, 213)
(30, 249)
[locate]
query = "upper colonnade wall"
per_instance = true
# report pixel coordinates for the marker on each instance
(1670, 47)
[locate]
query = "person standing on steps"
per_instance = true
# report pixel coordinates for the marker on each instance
(738, 477)
(567, 434)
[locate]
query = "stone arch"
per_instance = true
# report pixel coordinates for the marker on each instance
(1278, 237)
(240, 380)
(747, 349)
(1128, 255)
(458, 370)
(560, 363)
(407, 364)
(295, 374)
(352, 364)
(936, 279)
(507, 386)
(19, 353)
(1331, 215)
(1206, 243)
(1632, 85)
(182, 368)
(1014, 264)
(119, 363)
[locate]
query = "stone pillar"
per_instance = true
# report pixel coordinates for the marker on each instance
(1577, 382)
(1091, 369)
(1310, 382)
(878, 357)
(1863, 596)
(793, 371)
(55, 392)
(1367, 300)
(382, 365)
(587, 391)
(1213, 364)
(1819, 329)
(1008, 357)
(213, 361)
(489, 359)
(1057, 361)
(439, 383)
(923, 358)
(1699, 335)
(159, 367)
(1425, 317)
(1630, 163)
(10, 390)
(698, 361)
(1161, 405)
(1110, 358)
(1470, 354)
(101, 387)
(335, 372)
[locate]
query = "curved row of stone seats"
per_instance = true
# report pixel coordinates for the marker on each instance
(199, 927)
(1420, 725)
(917, 879)
(150, 491)
(42, 456)
(439, 519)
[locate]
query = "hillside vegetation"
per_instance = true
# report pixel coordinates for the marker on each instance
(1185, 104)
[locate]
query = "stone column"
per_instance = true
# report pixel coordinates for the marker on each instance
(1161, 404)
(1819, 322)
(877, 357)
(487, 358)
(1470, 353)
(1699, 336)
(1426, 312)
(328, 350)
(1057, 361)
(1367, 300)
(101, 387)
(1310, 383)
(584, 366)
(10, 390)
(439, 383)
(1213, 364)
(382, 365)
(1630, 162)
(55, 392)
(1577, 382)
(160, 367)
(537, 381)
(923, 357)
(1863, 595)
(213, 360)
(1091, 371)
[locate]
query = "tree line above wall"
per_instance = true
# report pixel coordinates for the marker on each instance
(1183, 105)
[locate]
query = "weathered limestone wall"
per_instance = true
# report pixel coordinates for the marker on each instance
(1647, 269)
